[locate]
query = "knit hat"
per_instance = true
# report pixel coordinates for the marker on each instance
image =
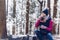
(45, 11)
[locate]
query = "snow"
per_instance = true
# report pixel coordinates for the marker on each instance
(20, 19)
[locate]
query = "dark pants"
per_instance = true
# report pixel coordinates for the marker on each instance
(40, 36)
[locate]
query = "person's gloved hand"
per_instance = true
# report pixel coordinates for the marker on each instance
(43, 27)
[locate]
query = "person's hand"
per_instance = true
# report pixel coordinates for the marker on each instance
(43, 27)
(36, 28)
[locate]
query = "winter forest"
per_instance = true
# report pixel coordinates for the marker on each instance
(21, 15)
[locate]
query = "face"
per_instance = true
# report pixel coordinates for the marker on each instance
(43, 15)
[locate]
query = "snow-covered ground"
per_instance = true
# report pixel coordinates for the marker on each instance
(23, 37)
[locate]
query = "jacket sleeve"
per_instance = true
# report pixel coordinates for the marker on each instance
(37, 23)
(50, 26)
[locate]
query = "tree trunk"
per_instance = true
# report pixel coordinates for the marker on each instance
(27, 16)
(14, 12)
(55, 9)
(41, 7)
(48, 4)
(14, 8)
(41, 4)
(54, 14)
(3, 30)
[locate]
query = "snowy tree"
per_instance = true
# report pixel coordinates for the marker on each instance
(22, 14)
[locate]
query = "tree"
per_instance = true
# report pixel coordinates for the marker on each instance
(54, 14)
(48, 4)
(27, 16)
(3, 30)
(14, 8)
(41, 4)
(55, 9)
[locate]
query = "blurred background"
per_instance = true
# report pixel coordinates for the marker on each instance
(18, 17)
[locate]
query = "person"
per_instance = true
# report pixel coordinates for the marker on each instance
(44, 23)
